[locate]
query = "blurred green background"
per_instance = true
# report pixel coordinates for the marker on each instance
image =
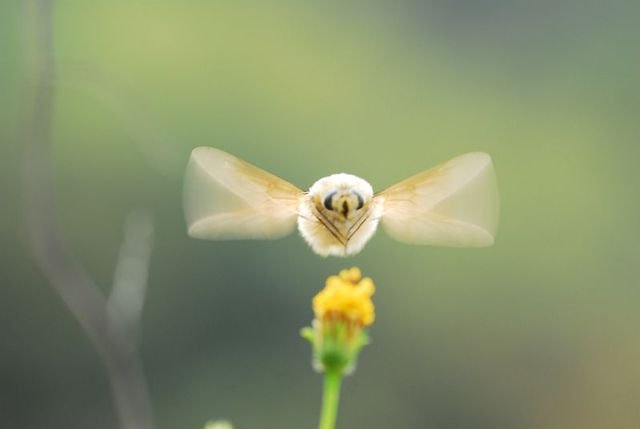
(540, 331)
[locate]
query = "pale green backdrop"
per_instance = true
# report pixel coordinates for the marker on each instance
(540, 331)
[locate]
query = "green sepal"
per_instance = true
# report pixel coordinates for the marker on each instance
(308, 333)
(334, 348)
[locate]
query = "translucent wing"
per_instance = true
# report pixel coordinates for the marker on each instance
(455, 204)
(226, 198)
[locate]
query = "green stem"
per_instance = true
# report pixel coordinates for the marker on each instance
(330, 399)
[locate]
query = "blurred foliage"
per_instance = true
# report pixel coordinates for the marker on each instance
(539, 331)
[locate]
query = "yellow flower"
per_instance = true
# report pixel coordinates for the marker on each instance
(342, 310)
(346, 297)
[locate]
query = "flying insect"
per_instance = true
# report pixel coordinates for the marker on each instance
(454, 204)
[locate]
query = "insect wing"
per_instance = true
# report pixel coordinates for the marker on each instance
(226, 198)
(455, 204)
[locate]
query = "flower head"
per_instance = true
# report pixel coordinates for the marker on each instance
(346, 297)
(342, 309)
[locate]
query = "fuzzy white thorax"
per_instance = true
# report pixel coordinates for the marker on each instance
(338, 215)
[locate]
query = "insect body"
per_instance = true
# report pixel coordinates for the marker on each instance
(454, 204)
(338, 215)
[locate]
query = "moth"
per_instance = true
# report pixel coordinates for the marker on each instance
(454, 204)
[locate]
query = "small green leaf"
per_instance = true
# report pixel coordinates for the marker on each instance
(218, 424)
(308, 333)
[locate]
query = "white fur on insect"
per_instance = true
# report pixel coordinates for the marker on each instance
(453, 204)
(338, 215)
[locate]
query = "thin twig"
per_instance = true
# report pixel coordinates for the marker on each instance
(126, 301)
(69, 279)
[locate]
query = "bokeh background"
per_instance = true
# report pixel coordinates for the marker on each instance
(540, 331)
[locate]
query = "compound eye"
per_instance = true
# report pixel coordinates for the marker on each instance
(360, 200)
(328, 200)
